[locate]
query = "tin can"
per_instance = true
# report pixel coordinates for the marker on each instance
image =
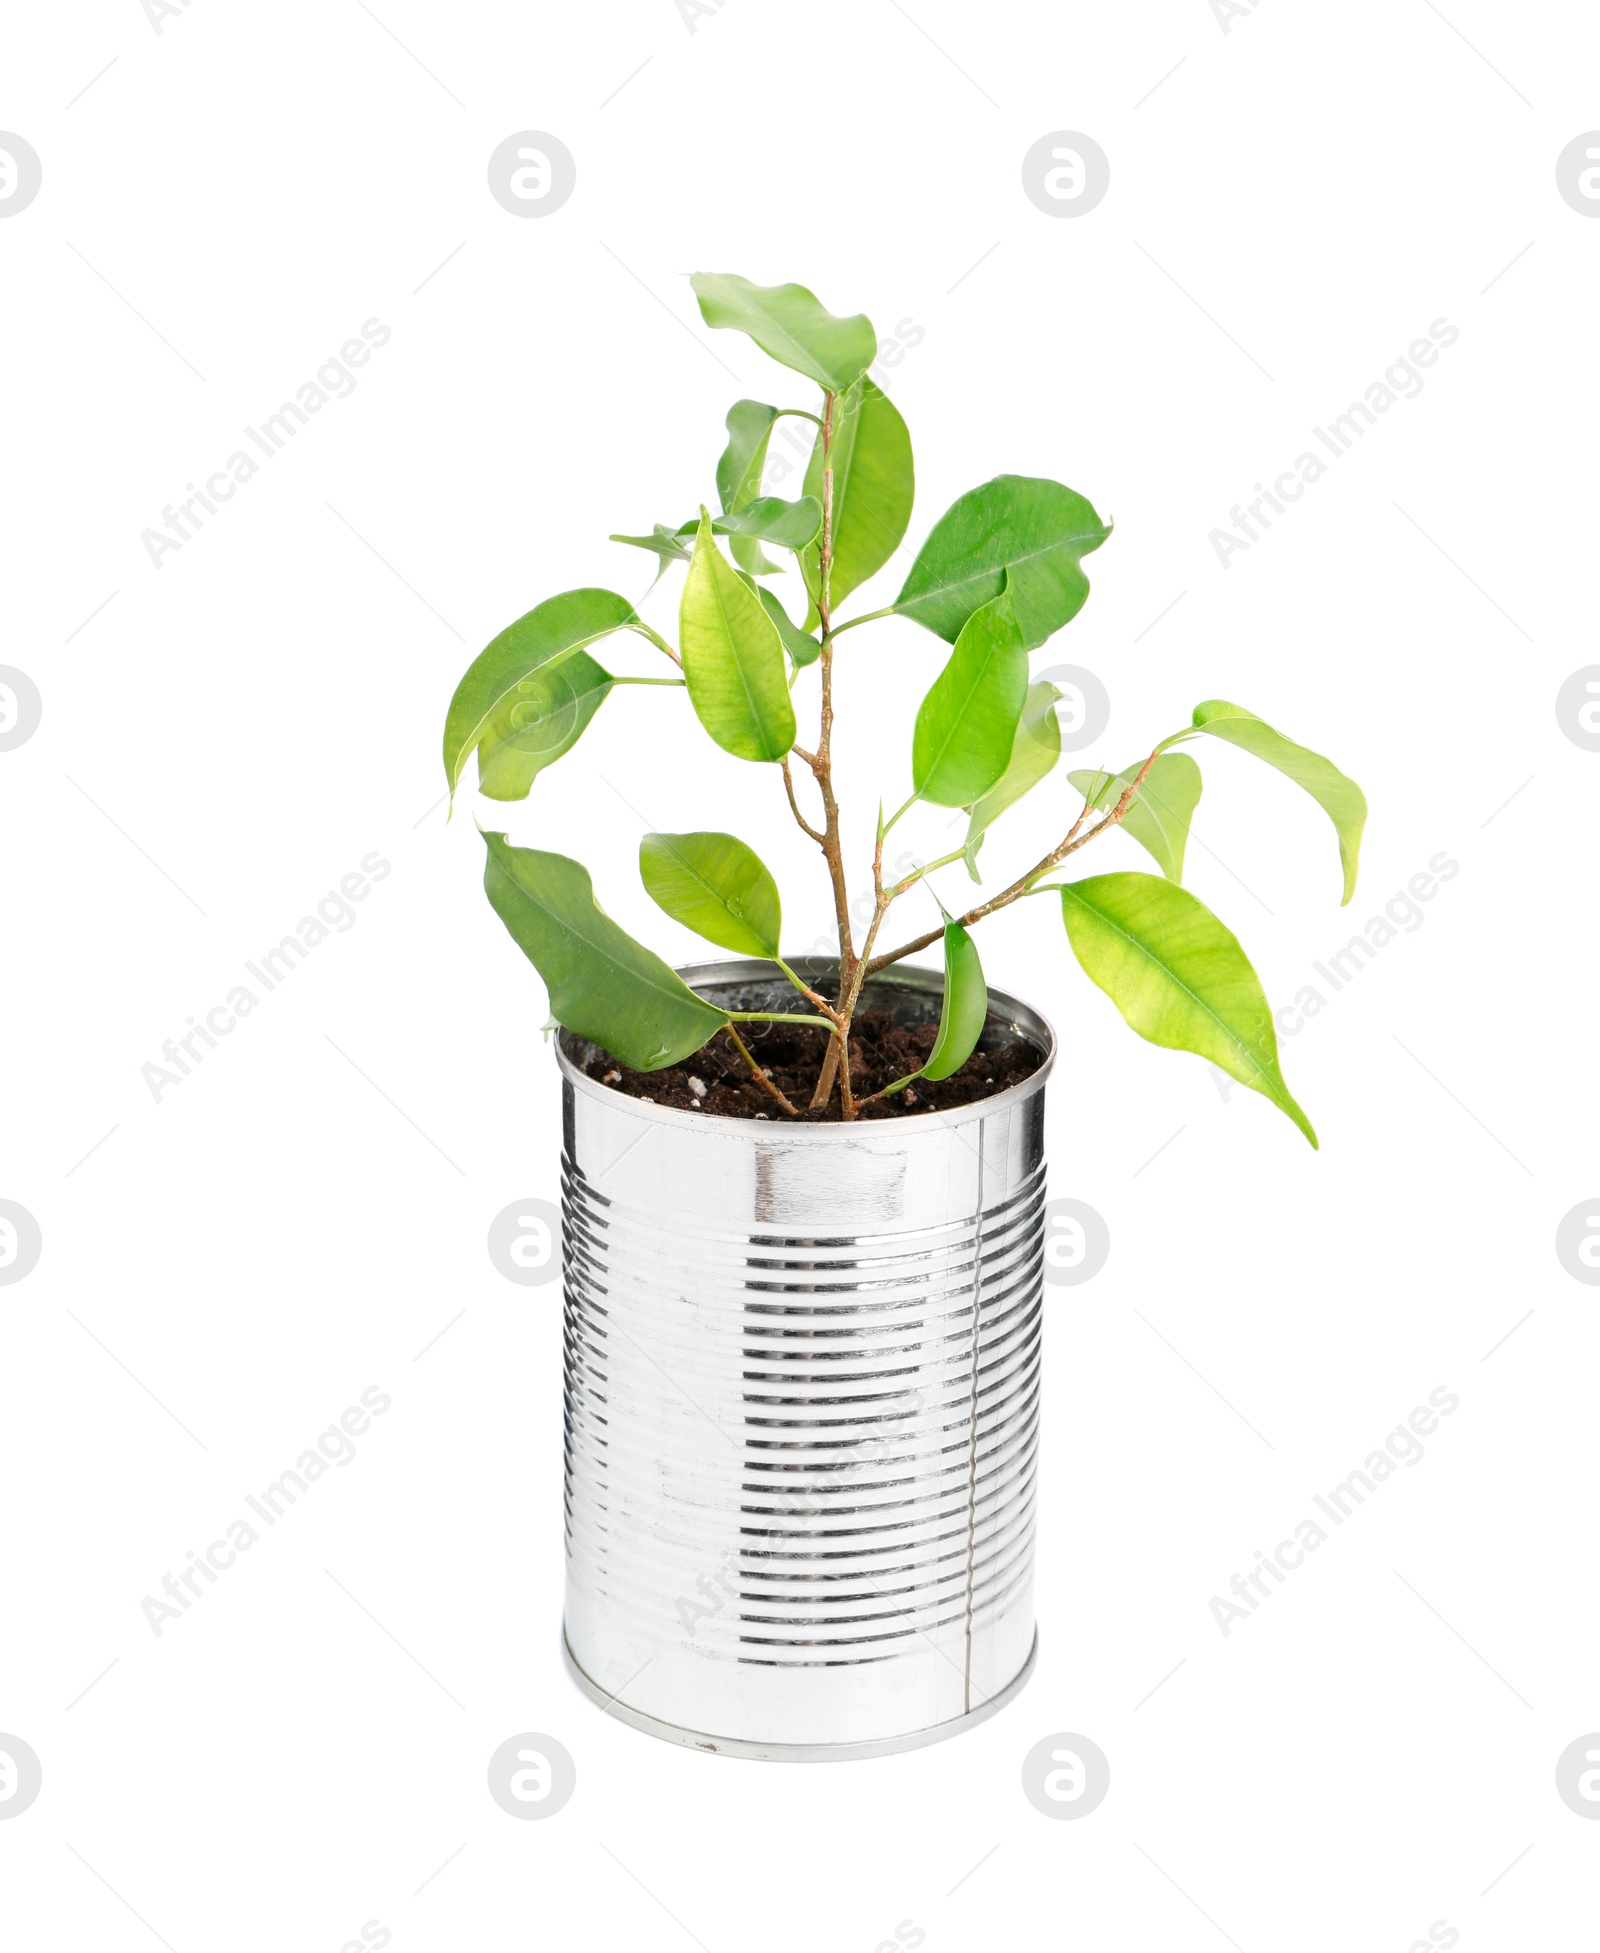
(802, 1404)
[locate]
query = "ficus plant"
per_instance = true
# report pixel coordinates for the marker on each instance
(997, 576)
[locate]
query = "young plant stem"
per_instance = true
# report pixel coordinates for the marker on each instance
(837, 1059)
(1023, 885)
(778, 1017)
(657, 640)
(867, 617)
(883, 1091)
(761, 1077)
(805, 989)
(927, 868)
(905, 808)
(880, 908)
(794, 805)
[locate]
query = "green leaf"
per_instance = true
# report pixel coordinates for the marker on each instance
(739, 471)
(791, 325)
(874, 484)
(967, 725)
(733, 658)
(1178, 976)
(1015, 533)
(1034, 752)
(662, 542)
(965, 1009)
(1158, 819)
(550, 631)
(716, 886)
(603, 985)
(800, 645)
(790, 524)
(962, 1014)
(1337, 795)
(744, 459)
(543, 717)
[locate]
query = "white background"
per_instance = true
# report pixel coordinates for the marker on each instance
(303, 1216)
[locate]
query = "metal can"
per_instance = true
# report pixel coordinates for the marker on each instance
(802, 1401)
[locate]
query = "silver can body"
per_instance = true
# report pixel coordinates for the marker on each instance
(802, 1400)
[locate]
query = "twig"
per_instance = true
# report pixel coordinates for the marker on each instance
(822, 767)
(880, 908)
(1024, 883)
(873, 1097)
(788, 786)
(811, 996)
(762, 1079)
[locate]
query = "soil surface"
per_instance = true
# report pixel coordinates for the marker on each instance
(717, 1079)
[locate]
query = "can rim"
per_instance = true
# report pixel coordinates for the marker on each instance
(753, 1749)
(1008, 1011)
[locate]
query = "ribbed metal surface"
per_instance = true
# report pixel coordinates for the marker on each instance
(802, 1370)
